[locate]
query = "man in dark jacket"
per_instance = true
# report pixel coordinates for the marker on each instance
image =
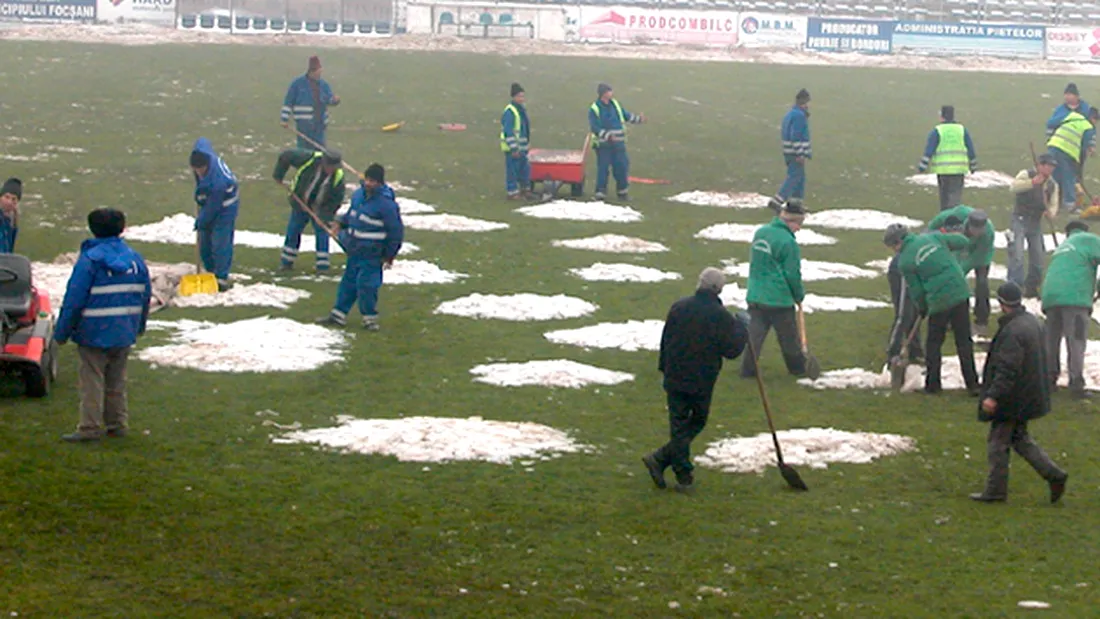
(698, 333)
(1015, 390)
(319, 184)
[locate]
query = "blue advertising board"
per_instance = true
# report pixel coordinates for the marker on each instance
(47, 10)
(980, 39)
(849, 35)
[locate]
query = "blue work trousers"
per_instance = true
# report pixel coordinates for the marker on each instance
(517, 173)
(611, 157)
(795, 184)
(294, 227)
(216, 243)
(362, 280)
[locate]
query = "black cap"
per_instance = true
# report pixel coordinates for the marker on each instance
(947, 112)
(199, 159)
(1077, 225)
(977, 219)
(1071, 89)
(895, 233)
(516, 89)
(13, 186)
(1047, 159)
(376, 173)
(106, 222)
(794, 206)
(803, 96)
(332, 157)
(1010, 294)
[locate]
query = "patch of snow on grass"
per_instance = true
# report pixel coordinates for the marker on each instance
(812, 270)
(442, 222)
(419, 272)
(619, 272)
(812, 447)
(743, 233)
(259, 295)
(724, 200)
(581, 211)
(517, 307)
(408, 206)
(734, 295)
(257, 345)
(550, 373)
(612, 243)
(440, 439)
(982, 179)
(632, 335)
(858, 219)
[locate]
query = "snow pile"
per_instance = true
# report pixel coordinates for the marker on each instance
(257, 345)
(53, 279)
(724, 200)
(879, 265)
(450, 223)
(581, 211)
(409, 206)
(552, 373)
(261, 295)
(178, 229)
(812, 447)
(982, 179)
(734, 295)
(743, 233)
(612, 243)
(439, 439)
(858, 219)
(519, 307)
(812, 270)
(419, 272)
(632, 335)
(620, 272)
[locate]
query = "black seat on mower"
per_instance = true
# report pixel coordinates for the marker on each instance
(15, 295)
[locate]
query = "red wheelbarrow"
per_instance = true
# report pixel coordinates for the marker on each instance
(554, 168)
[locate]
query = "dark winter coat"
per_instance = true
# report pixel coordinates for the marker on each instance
(1015, 373)
(698, 333)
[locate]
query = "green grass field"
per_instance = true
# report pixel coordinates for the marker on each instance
(204, 517)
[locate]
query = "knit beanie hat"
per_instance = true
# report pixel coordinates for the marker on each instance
(516, 89)
(1010, 294)
(603, 89)
(13, 186)
(106, 222)
(376, 173)
(947, 112)
(895, 233)
(1047, 159)
(802, 97)
(977, 219)
(314, 63)
(1071, 89)
(1077, 225)
(332, 157)
(711, 280)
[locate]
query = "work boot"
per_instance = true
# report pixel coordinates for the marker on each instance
(224, 285)
(623, 196)
(330, 321)
(655, 471)
(515, 195)
(982, 497)
(370, 323)
(932, 390)
(1080, 395)
(80, 437)
(286, 266)
(322, 270)
(1057, 489)
(685, 484)
(117, 432)
(599, 195)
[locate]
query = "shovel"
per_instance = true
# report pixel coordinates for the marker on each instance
(789, 474)
(900, 363)
(813, 368)
(199, 283)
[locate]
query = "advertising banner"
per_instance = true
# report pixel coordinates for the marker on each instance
(631, 24)
(1077, 44)
(978, 39)
(772, 30)
(146, 11)
(849, 35)
(48, 10)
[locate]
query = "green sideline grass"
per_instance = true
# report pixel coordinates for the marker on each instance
(203, 517)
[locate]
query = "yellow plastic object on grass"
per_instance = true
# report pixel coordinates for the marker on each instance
(199, 283)
(393, 127)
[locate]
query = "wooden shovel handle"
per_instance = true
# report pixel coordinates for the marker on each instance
(802, 328)
(343, 163)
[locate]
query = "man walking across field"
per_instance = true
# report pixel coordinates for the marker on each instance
(1016, 390)
(607, 120)
(307, 101)
(1037, 196)
(699, 332)
(1070, 145)
(775, 287)
(515, 139)
(949, 154)
(978, 256)
(319, 184)
(1068, 294)
(938, 288)
(795, 135)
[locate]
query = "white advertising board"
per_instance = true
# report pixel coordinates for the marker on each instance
(146, 11)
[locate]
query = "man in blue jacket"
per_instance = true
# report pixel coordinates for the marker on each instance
(218, 197)
(515, 138)
(795, 134)
(105, 309)
(371, 233)
(1071, 102)
(949, 154)
(10, 195)
(307, 101)
(607, 120)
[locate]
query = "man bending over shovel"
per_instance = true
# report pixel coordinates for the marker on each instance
(218, 197)
(319, 184)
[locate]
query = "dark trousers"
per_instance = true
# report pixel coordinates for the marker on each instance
(1004, 436)
(612, 158)
(905, 315)
(1026, 231)
(958, 319)
(951, 190)
(981, 295)
(1071, 323)
(687, 416)
(763, 318)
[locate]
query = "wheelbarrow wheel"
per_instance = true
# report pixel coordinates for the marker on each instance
(576, 190)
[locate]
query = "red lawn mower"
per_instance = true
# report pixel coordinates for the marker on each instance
(26, 328)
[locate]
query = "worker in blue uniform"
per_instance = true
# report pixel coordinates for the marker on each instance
(795, 136)
(218, 197)
(307, 101)
(607, 119)
(515, 139)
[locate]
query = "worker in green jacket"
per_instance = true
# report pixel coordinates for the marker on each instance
(775, 287)
(319, 184)
(938, 288)
(1068, 294)
(974, 224)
